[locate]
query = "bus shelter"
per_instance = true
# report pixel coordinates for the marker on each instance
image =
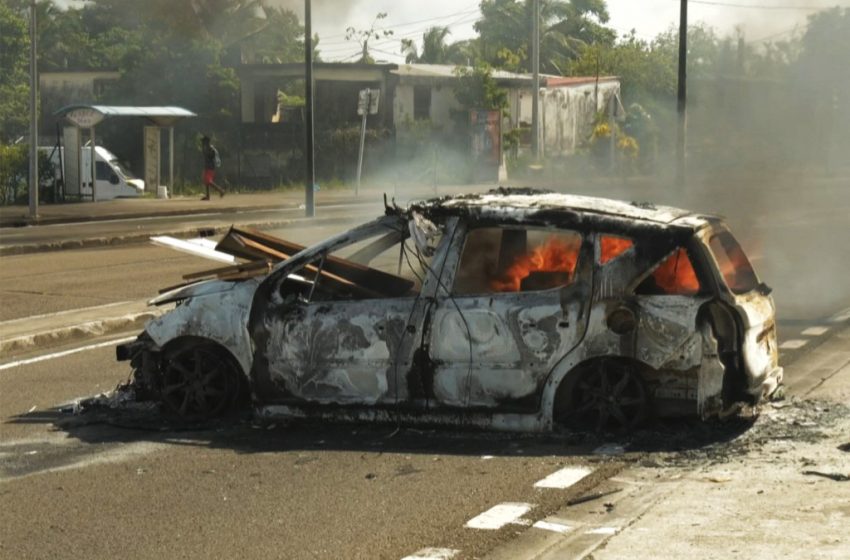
(83, 116)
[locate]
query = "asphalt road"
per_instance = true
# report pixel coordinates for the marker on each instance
(106, 232)
(52, 281)
(104, 485)
(87, 490)
(132, 485)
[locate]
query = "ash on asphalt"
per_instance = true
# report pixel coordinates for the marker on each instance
(109, 420)
(663, 444)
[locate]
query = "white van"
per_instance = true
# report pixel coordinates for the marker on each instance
(113, 179)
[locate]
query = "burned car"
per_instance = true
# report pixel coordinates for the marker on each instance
(515, 310)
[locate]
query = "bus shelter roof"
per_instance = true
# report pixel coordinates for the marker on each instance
(160, 116)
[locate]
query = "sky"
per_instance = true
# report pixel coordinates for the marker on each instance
(759, 19)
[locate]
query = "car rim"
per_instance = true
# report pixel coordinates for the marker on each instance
(611, 397)
(197, 383)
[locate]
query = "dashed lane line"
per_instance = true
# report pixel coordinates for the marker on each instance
(603, 531)
(563, 478)
(841, 316)
(793, 344)
(433, 554)
(64, 353)
(815, 331)
(552, 526)
(511, 513)
(498, 516)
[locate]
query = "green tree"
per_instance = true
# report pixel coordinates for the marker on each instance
(14, 72)
(505, 30)
(476, 88)
(435, 50)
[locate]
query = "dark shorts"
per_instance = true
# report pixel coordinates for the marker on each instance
(209, 176)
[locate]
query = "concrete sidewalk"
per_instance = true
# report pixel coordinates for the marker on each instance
(768, 497)
(127, 208)
(55, 329)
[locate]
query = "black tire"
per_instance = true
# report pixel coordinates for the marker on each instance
(609, 396)
(199, 380)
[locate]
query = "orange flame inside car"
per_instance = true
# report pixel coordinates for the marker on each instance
(612, 247)
(676, 275)
(555, 256)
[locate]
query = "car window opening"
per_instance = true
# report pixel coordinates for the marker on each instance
(736, 269)
(384, 266)
(674, 276)
(498, 260)
(612, 246)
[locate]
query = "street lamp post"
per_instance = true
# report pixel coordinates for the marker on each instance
(33, 186)
(682, 97)
(535, 94)
(309, 205)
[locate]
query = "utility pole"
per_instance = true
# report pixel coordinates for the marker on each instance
(535, 94)
(682, 97)
(309, 205)
(33, 186)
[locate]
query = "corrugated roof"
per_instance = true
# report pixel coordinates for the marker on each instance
(567, 81)
(150, 112)
(448, 71)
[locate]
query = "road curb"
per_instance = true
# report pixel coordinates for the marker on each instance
(78, 332)
(19, 222)
(61, 245)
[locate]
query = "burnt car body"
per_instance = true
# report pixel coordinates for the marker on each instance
(515, 310)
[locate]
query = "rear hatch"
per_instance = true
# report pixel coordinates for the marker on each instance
(756, 309)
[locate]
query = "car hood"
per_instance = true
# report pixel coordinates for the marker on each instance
(136, 183)
(200, 289)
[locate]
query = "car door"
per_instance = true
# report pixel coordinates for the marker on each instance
(513, 303)
(341, 329)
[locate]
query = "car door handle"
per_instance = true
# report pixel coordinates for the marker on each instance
(411, 329)
(563, 324)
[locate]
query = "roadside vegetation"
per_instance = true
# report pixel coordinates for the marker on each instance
(791, 89)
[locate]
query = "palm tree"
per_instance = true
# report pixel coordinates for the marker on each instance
(434, 47)
(565, 25)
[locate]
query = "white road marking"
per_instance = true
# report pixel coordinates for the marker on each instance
(602, 531)
(551, 526)
(563, 478)
(64, 353)
(841, 316)
(433, 554)
(793, 344)
(815, 331)
(486, 457)
(498, 516)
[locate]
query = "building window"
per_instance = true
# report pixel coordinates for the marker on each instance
(421, 102)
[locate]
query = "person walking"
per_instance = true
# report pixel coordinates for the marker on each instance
(211, 162)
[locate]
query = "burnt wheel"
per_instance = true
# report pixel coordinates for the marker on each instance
(198, 381)
(610, 397)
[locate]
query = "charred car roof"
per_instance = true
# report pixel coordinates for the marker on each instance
(511, 205)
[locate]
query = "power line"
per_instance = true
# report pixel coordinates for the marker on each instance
(346, 46)
(465, 11)
(759, 7)
(774, 35)
(394, 37)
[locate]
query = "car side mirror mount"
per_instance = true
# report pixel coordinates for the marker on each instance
(113, 179)
(764, 289)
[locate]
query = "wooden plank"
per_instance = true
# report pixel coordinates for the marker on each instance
(258, 266)
(252, 244)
